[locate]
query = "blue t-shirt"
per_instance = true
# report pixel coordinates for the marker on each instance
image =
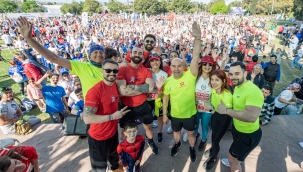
(79, 106)
(53, 98)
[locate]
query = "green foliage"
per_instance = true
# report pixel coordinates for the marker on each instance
(298, 9)
(233, 4)
(147, 6)
(73, 8)
(30, 6)
(115, 6)
(7, 6)
(219, 7)
(181, 6)
(91, 6)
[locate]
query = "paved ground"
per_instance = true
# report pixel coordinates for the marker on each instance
(278, 150)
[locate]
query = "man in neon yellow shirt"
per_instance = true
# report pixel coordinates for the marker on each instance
(247, 104)
(180, 90)
(89, 73)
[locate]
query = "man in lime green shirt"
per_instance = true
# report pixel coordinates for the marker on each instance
(180, 90)
(89, 73)
(247, 104)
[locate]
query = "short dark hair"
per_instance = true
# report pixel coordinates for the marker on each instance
(77, 80)
(53, 74)
(110, 52)
(254, 58)
(273, 56)
(150, 35)
(237, 63)
(267, 87)
(78, 90)
(130, 124)
(109, 61)
(5, 163)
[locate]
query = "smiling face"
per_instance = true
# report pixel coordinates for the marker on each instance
(155, 64)
(110, 72)
(216, 83)
(173, 55)
(207, 67)
(177, 68)
(97, 56)
(54, 79)
(237, 75)
(149, 43)
(137, 55)
(131, 134)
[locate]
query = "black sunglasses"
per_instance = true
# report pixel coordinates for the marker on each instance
(111, 70)
(148, 41)
(209, 64)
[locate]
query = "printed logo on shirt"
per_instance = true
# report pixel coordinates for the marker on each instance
(182, 84)
(132, 79)
(113, 99)
(203, 87)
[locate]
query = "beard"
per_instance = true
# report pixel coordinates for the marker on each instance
(148, 47)
(239, 81)
(109, 78)
(136, 59)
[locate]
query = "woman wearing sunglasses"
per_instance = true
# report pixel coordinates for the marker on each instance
(203, 92)
(219, 122)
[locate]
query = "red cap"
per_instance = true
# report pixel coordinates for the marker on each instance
(154, 57)
(207, 59)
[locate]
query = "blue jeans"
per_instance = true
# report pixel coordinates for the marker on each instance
(295, 61)
(203, 118)
(131, 166)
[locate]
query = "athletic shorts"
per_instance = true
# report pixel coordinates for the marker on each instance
(152, 105)
(244, 143)
(142, 112)
(9, 45)
(189, 124)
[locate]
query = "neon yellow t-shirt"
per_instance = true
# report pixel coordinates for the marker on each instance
(182, 95)
(225, 96)
(247, 94)
(89, 75)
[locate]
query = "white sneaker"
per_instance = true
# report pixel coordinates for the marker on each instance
(301, 144)
(185, 137)
(225, 162)
(155, 125)
(169, 130)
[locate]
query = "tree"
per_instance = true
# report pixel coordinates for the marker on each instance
(73, 8)
(147, 6)
(114, 6)
(30, 6)
(298, 9)
(91, 6)
(233, 4)
(219, 7)
(180, 6)
(7, 6)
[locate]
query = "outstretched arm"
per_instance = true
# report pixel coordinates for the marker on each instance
(25, 30)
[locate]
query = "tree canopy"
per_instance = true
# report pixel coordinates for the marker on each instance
(298, 9)
(73, 8)
(92, 6)
(7, 6)
(31, 6)
(219, 7)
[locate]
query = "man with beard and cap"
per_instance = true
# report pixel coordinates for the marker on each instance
(89, 73)
(134, 81)
(247, 104)
(149, 44)
(54, 96)
(101, 112)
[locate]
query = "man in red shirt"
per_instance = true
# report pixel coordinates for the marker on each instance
(134, 81)
(149, 44)
(250, 66)
(101, 112)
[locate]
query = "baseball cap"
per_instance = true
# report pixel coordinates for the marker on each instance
(64, 73)
(207, 59)
(154, 56)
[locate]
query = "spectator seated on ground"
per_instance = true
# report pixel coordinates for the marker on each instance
(10, 112)
(79, 106)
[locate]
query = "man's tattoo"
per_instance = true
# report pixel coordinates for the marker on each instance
(89, 110)
(144, 88)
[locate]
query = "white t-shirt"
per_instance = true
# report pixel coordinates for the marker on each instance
(72, 99)
(203, 92)
(66, 85)
(7, 39)
(10, 110)
(156, 76)
(286, 95)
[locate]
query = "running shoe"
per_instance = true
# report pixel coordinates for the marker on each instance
(160, 138)
(207, 153)
(225, 162)
(209, 163)
(155, 125)
(193, 155)
(202, 145)
(169, 130)
(174, 150)
(185, 137)
(154, 148)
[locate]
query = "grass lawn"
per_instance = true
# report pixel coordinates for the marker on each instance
(287, 75)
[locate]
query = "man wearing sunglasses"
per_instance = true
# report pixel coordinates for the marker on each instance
(149, 44)
(101, 112)
(134, 81)
(93, 69)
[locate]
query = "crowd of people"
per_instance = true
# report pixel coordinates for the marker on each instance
(114, 71)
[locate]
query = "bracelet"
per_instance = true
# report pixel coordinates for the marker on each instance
(110, 117)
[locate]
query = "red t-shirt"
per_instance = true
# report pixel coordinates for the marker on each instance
(106, 99)
(250, 66)
(134, 77)
(29, 153)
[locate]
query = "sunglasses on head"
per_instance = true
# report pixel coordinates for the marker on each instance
(148, 41)
(209, 64)
(111, 70)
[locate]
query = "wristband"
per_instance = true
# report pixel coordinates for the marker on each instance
(110, 117)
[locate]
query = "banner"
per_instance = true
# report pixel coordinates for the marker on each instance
(31, 15)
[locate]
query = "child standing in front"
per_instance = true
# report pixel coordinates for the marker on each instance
(131, 148)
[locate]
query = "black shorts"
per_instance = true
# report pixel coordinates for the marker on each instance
(142, 112)
(152, 105)
(9, 45)
(244, 143)
(189, 124)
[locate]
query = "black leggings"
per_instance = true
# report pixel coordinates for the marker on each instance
(21, 87)
(219, 124)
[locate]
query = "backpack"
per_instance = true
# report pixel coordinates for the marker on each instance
(23, 128)
(17, 77)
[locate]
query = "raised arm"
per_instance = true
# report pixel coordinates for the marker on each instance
(25, 29)
(196, 33)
